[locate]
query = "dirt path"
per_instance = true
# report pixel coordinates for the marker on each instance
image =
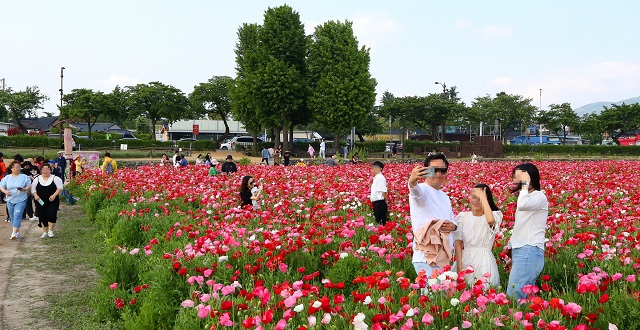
(34, 273)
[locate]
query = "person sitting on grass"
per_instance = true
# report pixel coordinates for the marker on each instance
(213, 171)
(301, 163)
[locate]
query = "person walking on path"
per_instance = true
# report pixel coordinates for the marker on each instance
(378, 194)
(526, 246)
(46, 189)
(265, 156)
(15, 186)
(229, 166)
(62, 164)
(428, 203)
(32, 172)
(311, 151)
(109, 165)
(345, 150)
(475, 235)
(394, 149)
(323, 149)
(277, 155)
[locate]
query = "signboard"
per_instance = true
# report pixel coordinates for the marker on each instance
(123, 147)
(91, 157)
(196, 129)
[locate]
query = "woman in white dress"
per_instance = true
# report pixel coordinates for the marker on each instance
(475, 235)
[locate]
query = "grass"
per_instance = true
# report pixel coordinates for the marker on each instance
(78, 248)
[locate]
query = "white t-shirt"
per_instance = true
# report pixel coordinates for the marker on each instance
(322, 145)
(531, 220)
(41, 181)
(427, 204)
(174, 159)
(378, 187)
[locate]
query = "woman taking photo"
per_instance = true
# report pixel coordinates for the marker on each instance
(15, 186)
(45, 189)
(249, 193)
(526, 247)
(475, 235)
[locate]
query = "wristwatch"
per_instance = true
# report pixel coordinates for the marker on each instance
(524, 183)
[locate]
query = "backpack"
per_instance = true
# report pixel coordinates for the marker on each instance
(108, 167)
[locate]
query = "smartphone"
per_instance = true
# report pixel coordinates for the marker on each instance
(429, 172)
(41, 201)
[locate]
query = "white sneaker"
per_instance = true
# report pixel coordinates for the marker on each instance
(50, 233)
(13, 236)
(33, 219)
(36, 218)
(44, 235)
(18, 236)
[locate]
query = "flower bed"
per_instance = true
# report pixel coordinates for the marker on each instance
(180, 254)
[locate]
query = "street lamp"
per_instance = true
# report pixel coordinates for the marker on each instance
(540, 110)
(444, 87)
(61, 79)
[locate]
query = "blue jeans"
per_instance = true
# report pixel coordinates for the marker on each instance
(528, 262)
(15, 212)
(429, 270)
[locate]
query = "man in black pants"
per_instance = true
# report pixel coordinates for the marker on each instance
(379, 193)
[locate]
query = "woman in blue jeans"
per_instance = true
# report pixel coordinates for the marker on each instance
(526, 246)
(15, 186)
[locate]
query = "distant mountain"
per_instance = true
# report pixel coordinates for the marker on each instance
(597, 106)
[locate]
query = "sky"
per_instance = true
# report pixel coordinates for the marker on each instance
(575, 51)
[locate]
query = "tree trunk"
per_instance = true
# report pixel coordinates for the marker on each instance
(444, 132)
(336, 142)
(226, 132)
(434, 133)
(564, 135)
(360, 137)
(285, 139)
(19, 124)
(254, 152)
(291, 136)
(276, 138)
(153, 127)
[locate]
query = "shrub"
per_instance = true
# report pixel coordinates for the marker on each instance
(244, 161)
(573, 150)
(372, 146)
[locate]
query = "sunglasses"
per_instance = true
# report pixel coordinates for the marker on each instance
(250, 182)
(442, 170)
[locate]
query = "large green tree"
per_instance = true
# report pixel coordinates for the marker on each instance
(20, 104)
(342, 89)
(511, 112)
(620, 120)
(244, 92)
(88, 106)
(157, 101)
(590, 128)
(560, 117)
(282, 70)
(211, 99)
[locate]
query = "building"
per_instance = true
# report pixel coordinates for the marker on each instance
(99, 127)
(208, 129)
(38, 125)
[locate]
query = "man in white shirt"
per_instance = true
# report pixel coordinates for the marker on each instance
(427, 202)
(175, 158)
(322, 149)
(378, 195)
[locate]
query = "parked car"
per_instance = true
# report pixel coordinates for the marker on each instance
(302, 140)
(238, 140)
(187, 140)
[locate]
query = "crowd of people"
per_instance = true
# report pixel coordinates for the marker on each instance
(31, 188)
(440, 236)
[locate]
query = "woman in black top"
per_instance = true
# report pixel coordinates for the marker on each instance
(32, 172)
(46, 189)
(249, 195)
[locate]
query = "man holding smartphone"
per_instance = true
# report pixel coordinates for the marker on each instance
(427, 202)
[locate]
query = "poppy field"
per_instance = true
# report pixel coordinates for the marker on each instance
(180, 254)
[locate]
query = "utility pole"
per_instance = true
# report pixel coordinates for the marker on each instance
(61, 80)
(3, 82)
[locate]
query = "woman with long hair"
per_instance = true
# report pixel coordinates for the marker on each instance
(46, 190)
(15, 186)
(526, 246)
(249, 193)
(475, 235)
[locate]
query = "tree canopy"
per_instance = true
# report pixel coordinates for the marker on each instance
(211, 99)
(88, 106)
(20, 104)
(157, 101)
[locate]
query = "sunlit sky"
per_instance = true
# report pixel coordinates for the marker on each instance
(575, 51)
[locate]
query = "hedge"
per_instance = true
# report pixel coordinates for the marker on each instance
(39, 141)
(587, 150)
(409, 145)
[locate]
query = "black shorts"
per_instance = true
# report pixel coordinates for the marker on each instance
(380, 210)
